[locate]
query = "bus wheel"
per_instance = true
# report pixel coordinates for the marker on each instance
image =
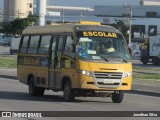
(33, 90)
(117, 97)
(68, 93)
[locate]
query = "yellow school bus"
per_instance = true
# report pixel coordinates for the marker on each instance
(74, 58)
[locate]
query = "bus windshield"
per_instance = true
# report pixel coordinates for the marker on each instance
(102, 46)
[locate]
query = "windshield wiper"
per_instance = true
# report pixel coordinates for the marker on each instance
(120, 58)
(105, 58)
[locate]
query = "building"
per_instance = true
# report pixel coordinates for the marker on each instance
(150, 2)
(17, 9)
(145, 19)
(68, 14)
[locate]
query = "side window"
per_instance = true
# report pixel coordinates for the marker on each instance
(24, 46)
(69, 46)
(53, 51)
(44, 45)
(69, 50)
(33, 46)
(60, 43)
(60, 48)
(54, 46)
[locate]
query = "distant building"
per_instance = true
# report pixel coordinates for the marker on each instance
(68, 14)
(145, 19)
(17, 9)
(150, 2)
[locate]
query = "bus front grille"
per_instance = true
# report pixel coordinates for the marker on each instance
(108, 79)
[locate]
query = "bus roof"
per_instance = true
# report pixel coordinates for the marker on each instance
(66, 28)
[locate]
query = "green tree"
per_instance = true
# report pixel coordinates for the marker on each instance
(121, 26)
(32, 19)
(17, 26)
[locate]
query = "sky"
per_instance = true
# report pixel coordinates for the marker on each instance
(87, 3)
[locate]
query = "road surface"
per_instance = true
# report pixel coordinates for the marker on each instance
(14, 97)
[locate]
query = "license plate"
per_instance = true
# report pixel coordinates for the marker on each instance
(108, 81)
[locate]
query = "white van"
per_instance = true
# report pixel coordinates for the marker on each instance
(14, 45)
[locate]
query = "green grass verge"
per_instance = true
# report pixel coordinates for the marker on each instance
(144, 76)
(143, 68)
(8, 62)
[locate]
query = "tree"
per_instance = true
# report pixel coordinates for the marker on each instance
(121, 26)
(32, 19)
(17, 26)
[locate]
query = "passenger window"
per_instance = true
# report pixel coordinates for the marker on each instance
(33, 46)
(54, 47)
(44, 45)
(60, 48)
(69, 46)
(60, 43)
(23, 49)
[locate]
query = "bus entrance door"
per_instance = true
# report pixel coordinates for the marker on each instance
(55, 66)
(52, 65)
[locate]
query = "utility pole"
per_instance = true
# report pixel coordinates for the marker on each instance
(18, 14)
(62, 15)
(128, 16)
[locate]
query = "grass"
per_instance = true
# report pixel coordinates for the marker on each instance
(8, 62)
(145, 76)
(143, 68)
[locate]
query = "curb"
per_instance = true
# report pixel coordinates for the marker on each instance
(8, 77)
(143, 92)
(146, 72)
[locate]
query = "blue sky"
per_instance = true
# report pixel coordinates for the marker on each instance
(87, 3)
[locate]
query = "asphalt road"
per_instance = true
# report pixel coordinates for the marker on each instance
(14, 97)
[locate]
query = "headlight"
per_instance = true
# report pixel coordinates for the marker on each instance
(85, 72)
(127, 74)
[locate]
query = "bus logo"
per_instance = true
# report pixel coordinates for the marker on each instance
(109, 75)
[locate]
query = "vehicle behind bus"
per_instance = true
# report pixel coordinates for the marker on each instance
(85, 59)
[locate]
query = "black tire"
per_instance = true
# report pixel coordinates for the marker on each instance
(68, 93)
(145, 61)
(33, 90)
(117, 97)
(155, 61)
(158, 61)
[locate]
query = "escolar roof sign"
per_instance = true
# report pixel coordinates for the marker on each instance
(103, 34)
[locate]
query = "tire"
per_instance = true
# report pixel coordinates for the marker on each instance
(158, 61)
(117, 97)
(154, 61)
(145, 61)
(33, 90)
(68, 93)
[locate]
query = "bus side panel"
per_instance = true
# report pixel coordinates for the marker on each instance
(40, 75)
(71, 73)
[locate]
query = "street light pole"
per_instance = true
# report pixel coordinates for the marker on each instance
(130, 23)
(128, 16)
